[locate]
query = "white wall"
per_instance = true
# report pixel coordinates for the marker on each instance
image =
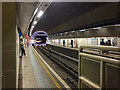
(81, 41)
(85, 41)
(118, 41)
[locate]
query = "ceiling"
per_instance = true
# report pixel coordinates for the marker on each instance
(60, 12)
(24, 14)
(60, 16)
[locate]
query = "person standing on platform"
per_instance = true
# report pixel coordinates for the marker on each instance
(22, 48)
(114, 44)
(102, 43)
(63, 42)
(27, 43)
(71, 43)
(109, 42)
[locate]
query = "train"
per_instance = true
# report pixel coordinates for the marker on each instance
(40, 38)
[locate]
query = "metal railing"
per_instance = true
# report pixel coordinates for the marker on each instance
(98, 72)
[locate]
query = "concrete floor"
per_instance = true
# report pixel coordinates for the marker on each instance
(29, 80)
(35, 73)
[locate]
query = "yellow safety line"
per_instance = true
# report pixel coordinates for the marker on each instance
(57, 85)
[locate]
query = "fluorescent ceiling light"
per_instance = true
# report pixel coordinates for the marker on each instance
(83, 30)
(72, 31)
(30, 32)
(61, 33)
(40, 14)
(36, 11)
(117, 25)
(66, 32)
(31, 29)
(33, 26)
(97, 28)
(30, 20)
(35, 22)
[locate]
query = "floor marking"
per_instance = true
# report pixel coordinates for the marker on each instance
(57, 76)
(57, 85)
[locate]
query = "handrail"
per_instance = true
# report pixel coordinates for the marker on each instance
(103, 62)
(90, 83)
(104, 59)
(107, 48)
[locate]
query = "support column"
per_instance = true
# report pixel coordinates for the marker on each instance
(9, 44)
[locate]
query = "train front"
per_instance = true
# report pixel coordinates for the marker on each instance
(40, 38)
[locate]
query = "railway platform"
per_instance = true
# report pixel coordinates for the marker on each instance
(73, 52)
(36, 73)
(28, 78)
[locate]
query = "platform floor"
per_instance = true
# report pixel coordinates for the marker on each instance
(28, 80)
(36, 73)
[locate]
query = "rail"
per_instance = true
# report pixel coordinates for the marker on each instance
(98, 72)
(63, 55)
(62, 63)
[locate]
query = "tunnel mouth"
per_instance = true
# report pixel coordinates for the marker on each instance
(40, 38)
(40, 33)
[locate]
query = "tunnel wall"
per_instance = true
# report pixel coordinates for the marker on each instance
(9, 45)
(96, 17)
(112, 32)
(64, 50)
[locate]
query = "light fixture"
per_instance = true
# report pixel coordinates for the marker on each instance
(40, 14)
(66, 32)
(31, 31)
(117, 25)
(82, 30)
(33, 26)
(30, 19)
(36, 11)
(35, 22)
(97, 28)
(72, 31)
(61, 33)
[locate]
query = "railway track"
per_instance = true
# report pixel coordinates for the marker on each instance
(71, 66)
